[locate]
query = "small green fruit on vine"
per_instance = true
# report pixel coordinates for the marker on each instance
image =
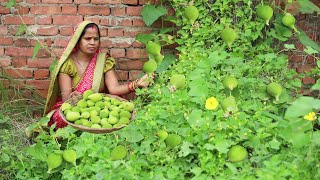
(289, 21)
(54, 160)
(150, 66)
(159, 58)
(265, 12)
(229, 104)
(153, 48)
(230, 82)
(173, 140)
(228, 35)
(162, 134)
(178, 80)
(191, 13)
(237, 153)
(70, 156)
(274, 89)
(119, 152)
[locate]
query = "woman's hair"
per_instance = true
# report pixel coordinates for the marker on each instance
(90, 25)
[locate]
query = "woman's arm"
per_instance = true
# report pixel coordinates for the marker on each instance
(65, 85)
(115, 88)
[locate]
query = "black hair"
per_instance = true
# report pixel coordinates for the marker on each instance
(89, 26)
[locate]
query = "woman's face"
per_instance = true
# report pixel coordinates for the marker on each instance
(89, 42)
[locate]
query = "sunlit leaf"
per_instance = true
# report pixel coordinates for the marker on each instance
(11, 3)
(309, 50)
(22, 29)
(132, 135)
(302, 106)
(195, 118)
(289, 46)
(167, 61)
(308, 7)
(306, 41)
(316, 86)
(150, 13)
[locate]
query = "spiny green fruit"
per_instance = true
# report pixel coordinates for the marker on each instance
(150, 66)
(162, 134)
(237, 153)
(70, 156)
(158, 58)
(230, 82)
(229, 104)
(95, 97)
(153, 48)
(228, 35)
(178, 80)
(173, 140)
(87, 93)
(265, 12)
(73, 116)
(54, 160)
(289, 21)
(128, 106)
(275, 90)
(119, 152)
(82, 103)
(66, 106)
(191, 13)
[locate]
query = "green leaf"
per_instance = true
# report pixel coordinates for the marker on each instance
(22, 29)
(3, 118)
(167, 61)
(150, 13)
(195, 118)
(144, 38)
(308, 7)
(316, 86)
(309, 50)
(11, 3)
(52, 66)
(185, 149)
(289, 46)
(37, 151)
(132, 135)
(5, 157)
(301, 107)
(306, 41)
(222, 144)
(274, 144)
(36, 49)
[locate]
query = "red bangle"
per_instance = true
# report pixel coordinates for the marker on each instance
(130, 87)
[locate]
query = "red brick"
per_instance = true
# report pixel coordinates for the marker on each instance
(134, 33)
(114, 32)
(131, 2)
(3, 30)
(46, 20)
(66, 19)
(40, 62)
(150, 1)
(108, 22)
(61, 42)
(134, 10)
(19, 73)
(38, 84)
(122, 75)
(93, 19)
(304, 68)
(137, 44)
(47, 10)
(117, 53)
(22, 10)
(5, 61)
(47, 31)
(103, 32)
(19, 51)
(16, 20)
(133, 75)
(4, 10)
(66, 31)
(12, 30)
(138, 22)
(136, 53)
(19, 61)
(125, 22)
(41, 74)
(130, 64)
(57, 1)
(106, 1)
(69, 9)
(81, 1)
(308, 80)
(118, 11)
(6, 40)
(42, 92)
(114, 42)
(94, 10)
(33, 1)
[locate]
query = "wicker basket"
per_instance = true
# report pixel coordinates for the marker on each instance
(73, 101)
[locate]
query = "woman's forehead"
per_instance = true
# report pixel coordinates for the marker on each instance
(91, 31)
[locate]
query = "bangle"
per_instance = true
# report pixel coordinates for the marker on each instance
(130, 87)
(135, 84)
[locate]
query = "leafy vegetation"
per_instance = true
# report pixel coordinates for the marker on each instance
(209, 128)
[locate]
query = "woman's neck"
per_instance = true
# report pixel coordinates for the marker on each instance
(83, 57)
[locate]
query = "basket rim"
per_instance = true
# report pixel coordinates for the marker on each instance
(76, 98)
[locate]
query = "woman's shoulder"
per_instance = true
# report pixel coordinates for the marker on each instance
(68, 67)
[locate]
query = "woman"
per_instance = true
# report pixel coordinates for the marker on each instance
(81, 67)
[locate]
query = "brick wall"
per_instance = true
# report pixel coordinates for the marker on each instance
(52, 22)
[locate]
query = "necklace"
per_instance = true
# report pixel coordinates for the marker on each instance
(83, 68)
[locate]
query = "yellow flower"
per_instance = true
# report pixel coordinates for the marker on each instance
(212, 103)
(311, 116)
